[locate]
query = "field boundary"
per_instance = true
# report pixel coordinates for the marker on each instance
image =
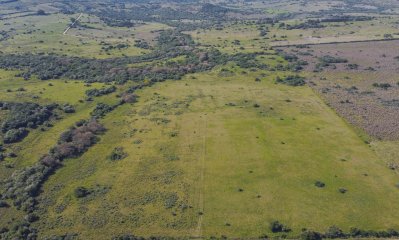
(343, 42)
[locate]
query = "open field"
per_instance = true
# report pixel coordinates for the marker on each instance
(232, 38)
(247, 38)
(337, 32)
(38, 34)
(205, 152)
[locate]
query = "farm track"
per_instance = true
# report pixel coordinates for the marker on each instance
(70, 26)
(336, 42)
(5, 17)
(198, 230)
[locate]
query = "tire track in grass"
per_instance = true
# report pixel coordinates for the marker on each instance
(198, 230)
(72, 24)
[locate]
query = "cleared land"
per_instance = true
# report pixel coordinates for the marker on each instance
(90, 38)
(352, 31)
(254, 165)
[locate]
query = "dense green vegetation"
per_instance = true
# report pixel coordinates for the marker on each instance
(21, 116)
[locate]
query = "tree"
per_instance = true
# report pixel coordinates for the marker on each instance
(41, 12)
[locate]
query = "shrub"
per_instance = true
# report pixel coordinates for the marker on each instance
(100, 92)
(353, 66)
(384, 86)
(294, 80)
(355, 232)
(76, 140)
(22, 114)
(141, 44)
(64, 150)
(319, 184)
(388, 36)
(80, 123)
(334, 232)
(41, 12)
(95, 127)
(276, 227)
(170, 200)
(129, 98)
(67, 108)
(81, 192)
(4, 204)
(50, 160)
(128, 237)
(31, 217)
(330, 59)
(117, 154)
(101, 109)
(393, 233)
(15, 135)
(311, 235)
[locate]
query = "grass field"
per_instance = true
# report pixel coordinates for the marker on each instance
(249, 38)
(224, 40)
(38, 34)
(337, 32)
(193, 144)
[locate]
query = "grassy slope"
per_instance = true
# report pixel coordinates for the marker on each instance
(224, 143)
(336, 32)
(38, 34)
(251, 41)
(223, 39)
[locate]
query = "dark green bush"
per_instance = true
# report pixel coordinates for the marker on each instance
(117, 154)
(384, 86)
(31, 217)
(342, 190)
(22, 114)
(311, 235)
(330, 59)
(100, 92)
(67, 108)
(319, 184)
(127, 237)
(277, 227)
(15, 135)
(4, 204)
(81, 192)
(334, 232)
(294, 80)
(101, 109)
(170, 200)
